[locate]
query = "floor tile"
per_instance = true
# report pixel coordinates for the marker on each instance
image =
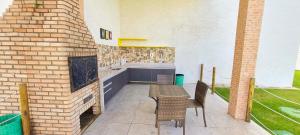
(142, 129)
(109, 129)
(131, 112)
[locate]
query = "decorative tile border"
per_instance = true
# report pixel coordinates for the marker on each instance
(112, 55)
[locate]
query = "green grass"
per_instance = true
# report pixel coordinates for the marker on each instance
(271, 120)
(296, 82)
(223, 93)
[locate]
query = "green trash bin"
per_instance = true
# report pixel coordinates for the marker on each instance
(11, 124)
(179, 80)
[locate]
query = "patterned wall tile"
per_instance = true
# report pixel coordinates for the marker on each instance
(111, 55)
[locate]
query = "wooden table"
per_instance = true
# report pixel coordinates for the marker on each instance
(157, 91)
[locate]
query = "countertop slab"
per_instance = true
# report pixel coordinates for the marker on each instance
(151, 65)
(105, 74)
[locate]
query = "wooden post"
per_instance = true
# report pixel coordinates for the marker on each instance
(201, 72)
(213, 82)
(24, 109)
(250, 98)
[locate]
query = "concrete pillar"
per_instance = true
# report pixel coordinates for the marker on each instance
(247, 42)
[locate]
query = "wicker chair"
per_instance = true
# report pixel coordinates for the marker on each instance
(199, 101)
(171, 108)
(165, 79)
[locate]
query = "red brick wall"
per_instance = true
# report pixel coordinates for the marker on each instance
(35, 45)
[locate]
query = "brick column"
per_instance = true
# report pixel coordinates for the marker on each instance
(247, 42)
(81, 8)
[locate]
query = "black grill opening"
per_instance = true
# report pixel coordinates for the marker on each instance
(87, 118)
(83, 71)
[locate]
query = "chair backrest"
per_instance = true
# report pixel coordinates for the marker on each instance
(165, 79)
(200, 93)
(171, 108)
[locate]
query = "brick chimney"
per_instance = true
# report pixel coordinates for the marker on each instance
(36, 38)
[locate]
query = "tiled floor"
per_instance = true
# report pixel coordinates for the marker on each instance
(131, 112)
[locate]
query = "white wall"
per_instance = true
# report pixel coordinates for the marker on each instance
(103, 14)
(298, 61)
(203, 31)
(4, 4)
(98, 14)
(280, 40)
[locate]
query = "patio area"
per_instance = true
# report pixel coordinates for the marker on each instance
(131, 112)
(73, 67)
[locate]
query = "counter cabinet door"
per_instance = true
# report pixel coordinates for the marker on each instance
(107, 82)
(108, 95)
(155, 72)
(124, 77)
(117, 81)
(140, 75)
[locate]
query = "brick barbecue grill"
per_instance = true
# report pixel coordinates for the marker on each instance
(36, 41)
